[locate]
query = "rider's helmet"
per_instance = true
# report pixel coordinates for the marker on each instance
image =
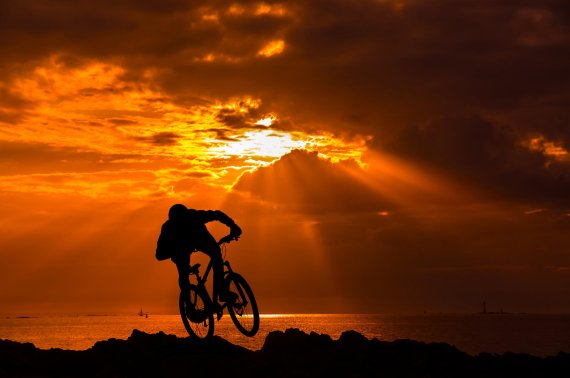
(177, 212)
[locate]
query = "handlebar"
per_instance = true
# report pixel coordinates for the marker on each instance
(227, 239)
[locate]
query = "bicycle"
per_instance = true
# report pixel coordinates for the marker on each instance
(198, 310)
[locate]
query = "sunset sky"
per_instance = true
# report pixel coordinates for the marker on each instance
(391, 156)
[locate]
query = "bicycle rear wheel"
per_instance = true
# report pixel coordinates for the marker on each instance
(243, 310)
(195, 313)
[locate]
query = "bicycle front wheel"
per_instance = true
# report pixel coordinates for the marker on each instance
(243, 310)
(195, 313)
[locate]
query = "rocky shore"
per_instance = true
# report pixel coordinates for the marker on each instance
(292, 353)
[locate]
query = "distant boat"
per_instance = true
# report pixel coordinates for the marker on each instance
(141, 313)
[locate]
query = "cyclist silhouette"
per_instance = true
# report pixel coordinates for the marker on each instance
(185, 232)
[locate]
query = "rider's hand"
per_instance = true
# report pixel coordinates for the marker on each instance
(226, 239)
(235, 231)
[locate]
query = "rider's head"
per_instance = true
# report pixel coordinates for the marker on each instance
(177, 211)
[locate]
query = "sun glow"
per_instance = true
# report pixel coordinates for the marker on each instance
(268, 121)
(264, 143)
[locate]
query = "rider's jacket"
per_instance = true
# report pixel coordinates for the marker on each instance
(187, 231)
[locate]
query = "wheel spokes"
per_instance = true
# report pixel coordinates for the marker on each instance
(195, 315)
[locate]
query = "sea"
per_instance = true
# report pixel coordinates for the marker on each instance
(539, 335)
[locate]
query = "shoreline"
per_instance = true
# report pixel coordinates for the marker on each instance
(289, 353)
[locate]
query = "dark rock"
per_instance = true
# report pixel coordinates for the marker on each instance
(292, 353)
(294, 341)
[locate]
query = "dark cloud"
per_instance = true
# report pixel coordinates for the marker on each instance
(127, 30)
(161, 139)
(486, 156)
(373, 61)
(221, 134)
(236, 119)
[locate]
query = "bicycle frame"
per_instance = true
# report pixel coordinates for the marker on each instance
(202, 280)
(195, 270)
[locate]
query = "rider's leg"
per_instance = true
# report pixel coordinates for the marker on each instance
(182, 262)
(210, 247)
(215, 254)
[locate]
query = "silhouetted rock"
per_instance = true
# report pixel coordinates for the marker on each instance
(295, 341)
(284, 354)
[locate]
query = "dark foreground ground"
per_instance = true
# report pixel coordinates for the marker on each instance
(284, 354)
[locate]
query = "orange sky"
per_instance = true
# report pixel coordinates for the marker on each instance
(380, 156)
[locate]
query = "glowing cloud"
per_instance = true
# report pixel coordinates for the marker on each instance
(548, 148)
(146, 144)
(270, 9)
(273, 48)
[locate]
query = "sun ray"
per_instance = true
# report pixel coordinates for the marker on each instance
(403, 183)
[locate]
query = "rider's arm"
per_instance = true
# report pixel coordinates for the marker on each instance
(216, 215)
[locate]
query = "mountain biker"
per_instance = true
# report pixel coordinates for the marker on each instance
(185, 232)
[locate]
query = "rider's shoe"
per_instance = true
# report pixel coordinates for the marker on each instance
(228, 297)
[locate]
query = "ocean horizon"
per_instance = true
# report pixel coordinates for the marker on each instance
(536, 334)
